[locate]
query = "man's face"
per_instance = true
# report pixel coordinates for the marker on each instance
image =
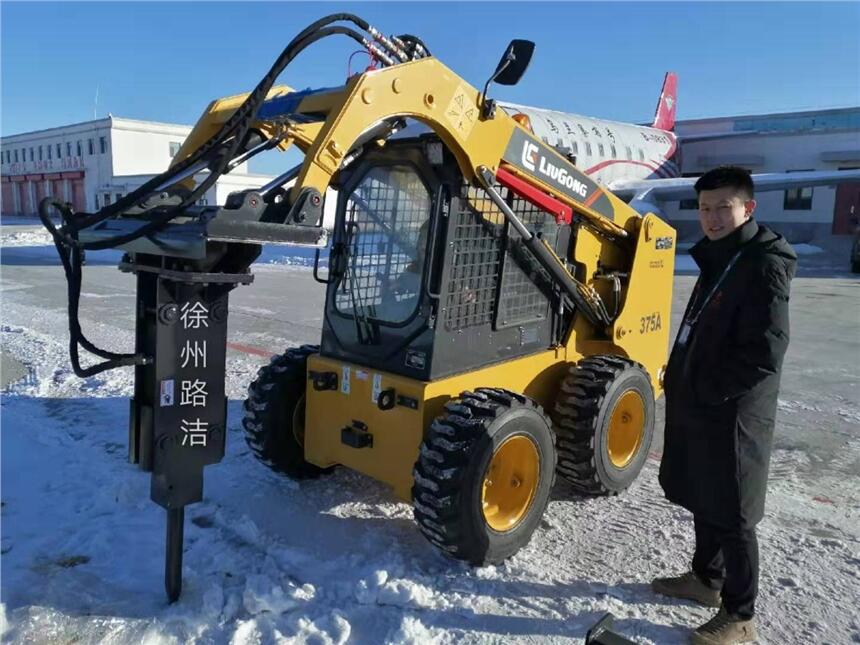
(723, 210)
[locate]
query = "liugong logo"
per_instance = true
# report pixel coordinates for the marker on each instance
(529, 155)
(537, 163)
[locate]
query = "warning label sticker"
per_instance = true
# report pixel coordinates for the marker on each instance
(377, 388)
(462, 112)
(344, 380)
(166, 396)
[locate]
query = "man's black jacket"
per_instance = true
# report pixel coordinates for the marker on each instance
(721, 386)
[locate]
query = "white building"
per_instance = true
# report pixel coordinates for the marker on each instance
(94, 163)
(815, 140)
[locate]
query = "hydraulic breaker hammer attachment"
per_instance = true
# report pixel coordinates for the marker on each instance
(184, 273)
(178, 415)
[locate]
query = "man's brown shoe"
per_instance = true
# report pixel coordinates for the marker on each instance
(689, 587)
(724, 629)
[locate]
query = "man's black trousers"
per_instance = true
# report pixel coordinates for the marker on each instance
(728, 559)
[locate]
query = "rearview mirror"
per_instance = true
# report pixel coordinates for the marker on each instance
(514, 62)
(509, 71)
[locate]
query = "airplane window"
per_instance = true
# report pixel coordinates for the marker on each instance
(575, 148)
(612, 148)
(588, 149)
(629, 152)
(600, 150)
(641, 155)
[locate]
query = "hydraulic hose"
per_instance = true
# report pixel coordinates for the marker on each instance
(72, 260)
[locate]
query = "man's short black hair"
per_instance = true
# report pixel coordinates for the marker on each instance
(733, 176)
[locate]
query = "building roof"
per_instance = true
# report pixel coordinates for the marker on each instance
(109, 121)
(777, 115)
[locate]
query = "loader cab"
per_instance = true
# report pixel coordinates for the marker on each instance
(425, 278)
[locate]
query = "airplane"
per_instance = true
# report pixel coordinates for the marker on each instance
(641, 164)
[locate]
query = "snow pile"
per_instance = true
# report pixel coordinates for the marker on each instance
(413, 632)
(290, 261)
(27, 237)
(807, 249)
(4, 624)
(684, 263)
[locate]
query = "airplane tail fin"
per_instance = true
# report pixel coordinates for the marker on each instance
(664, 116)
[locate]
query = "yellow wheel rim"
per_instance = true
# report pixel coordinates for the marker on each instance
(626, 426)
(510, 483)
(298, 425)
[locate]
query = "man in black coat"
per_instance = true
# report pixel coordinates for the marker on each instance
(721, 389)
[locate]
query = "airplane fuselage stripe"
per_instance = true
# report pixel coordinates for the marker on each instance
(609, 162)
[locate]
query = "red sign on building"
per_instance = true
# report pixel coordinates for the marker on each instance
(55, 165)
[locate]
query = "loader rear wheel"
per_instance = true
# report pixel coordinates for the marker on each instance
(274, 420)
(484, 474)
(604, 421)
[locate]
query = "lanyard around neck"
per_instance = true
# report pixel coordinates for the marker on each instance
(694, 314)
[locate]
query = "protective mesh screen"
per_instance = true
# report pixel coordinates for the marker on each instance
(520, 298)
(475, 253)
(387, 220)
(481, 242)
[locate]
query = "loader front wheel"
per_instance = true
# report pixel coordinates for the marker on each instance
(274, 420)
(484, 474)
(604, 421)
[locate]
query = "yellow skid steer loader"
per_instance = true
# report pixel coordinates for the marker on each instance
(493, 317)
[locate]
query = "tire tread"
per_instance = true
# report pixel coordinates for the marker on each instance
(447, 449)
(576, 415)
(259, 423)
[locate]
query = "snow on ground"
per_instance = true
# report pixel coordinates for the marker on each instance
(338, 560)
(25, 237)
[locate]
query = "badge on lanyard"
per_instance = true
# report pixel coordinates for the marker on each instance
(684, 333)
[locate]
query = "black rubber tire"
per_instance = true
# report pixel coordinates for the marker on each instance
(272, 399)
(587, 396)
(449, 474)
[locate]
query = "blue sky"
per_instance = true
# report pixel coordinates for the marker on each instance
(164, 61)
